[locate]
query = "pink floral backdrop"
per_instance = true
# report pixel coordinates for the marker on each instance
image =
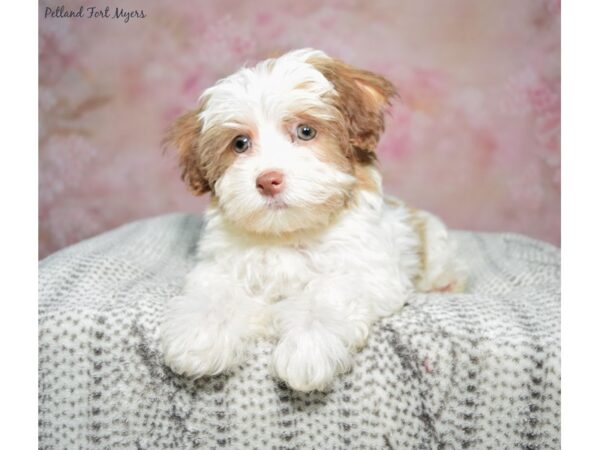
(475, 137)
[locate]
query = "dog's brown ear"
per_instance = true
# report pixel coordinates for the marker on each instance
(363, 96)
(184, 135)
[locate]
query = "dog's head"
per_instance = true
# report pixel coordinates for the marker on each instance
(284, 145)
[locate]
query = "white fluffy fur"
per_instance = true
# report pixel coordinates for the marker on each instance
(288, 269)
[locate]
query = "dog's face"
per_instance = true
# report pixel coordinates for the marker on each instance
(283, 146)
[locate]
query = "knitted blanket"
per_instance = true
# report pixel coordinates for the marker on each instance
(477, 370)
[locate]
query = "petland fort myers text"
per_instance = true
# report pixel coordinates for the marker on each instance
(94, 12)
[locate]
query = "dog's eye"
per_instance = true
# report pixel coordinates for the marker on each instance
(241, 144)
(305, 132)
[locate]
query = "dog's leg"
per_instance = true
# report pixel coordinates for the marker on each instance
(207, 329)
(442, 271)
(321, 329)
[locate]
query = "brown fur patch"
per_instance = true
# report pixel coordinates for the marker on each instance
(328, 150)
(418, 224)
(184, 135)
(216, 152)
(331, 141)
(203, 155)
(364, 178)
(361, 100)
(362, 96)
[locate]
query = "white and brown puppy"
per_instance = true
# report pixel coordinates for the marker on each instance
(300, 244)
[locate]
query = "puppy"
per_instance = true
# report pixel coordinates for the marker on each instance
(300, 245)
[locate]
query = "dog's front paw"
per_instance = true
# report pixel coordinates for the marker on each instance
(198, 341)
(309, 359)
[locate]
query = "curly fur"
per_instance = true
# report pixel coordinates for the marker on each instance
(314, 266)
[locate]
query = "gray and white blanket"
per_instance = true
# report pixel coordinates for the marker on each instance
(477, 370)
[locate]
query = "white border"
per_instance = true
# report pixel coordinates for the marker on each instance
(580, 224)
(18, 242)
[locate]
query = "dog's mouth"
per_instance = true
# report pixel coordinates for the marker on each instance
(276, 203)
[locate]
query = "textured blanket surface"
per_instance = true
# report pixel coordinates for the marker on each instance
(475, 370)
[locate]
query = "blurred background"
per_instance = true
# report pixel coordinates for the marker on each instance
(475, 137)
